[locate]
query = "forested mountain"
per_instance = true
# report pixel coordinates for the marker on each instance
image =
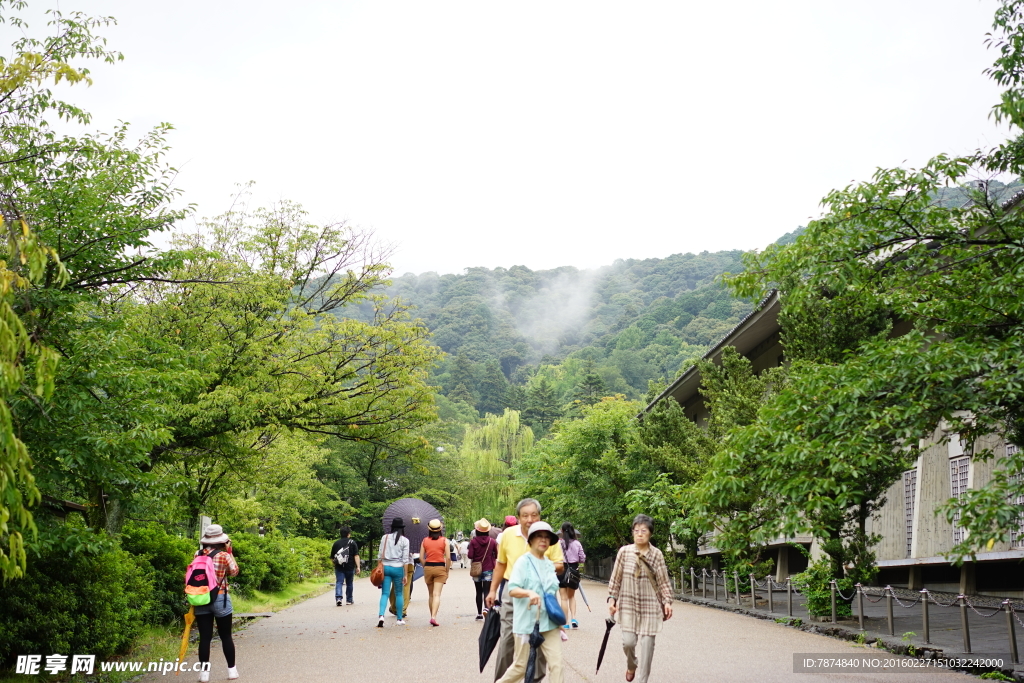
(539, 340)
(625, 324)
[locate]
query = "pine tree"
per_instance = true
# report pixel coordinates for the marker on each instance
(492, 390)
(591, 388)
(463, 394)
(542, 403)
(462, 380)
(515, 398)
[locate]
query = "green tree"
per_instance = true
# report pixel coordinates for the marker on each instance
(515, 398)
(271, 351)
(463, 374)
(949, 276)
(490, 453)
(543, 406)
(585, 471)
(493, 388)
(590, 389)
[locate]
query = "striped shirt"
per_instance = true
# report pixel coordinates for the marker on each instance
(640, 608)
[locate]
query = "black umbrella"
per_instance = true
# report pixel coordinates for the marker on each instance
(490, 634)
(415, 513)
(535, 642)
(608, 623)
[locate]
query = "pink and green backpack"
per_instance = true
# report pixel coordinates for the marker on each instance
(201, 586)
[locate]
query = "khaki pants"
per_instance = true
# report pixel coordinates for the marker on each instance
(643, 666)
(550, 649)
(406, 590)
(507, 644)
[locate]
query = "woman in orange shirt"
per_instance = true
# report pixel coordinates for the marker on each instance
(436, 564)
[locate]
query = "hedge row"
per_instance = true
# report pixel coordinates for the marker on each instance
(98, 599)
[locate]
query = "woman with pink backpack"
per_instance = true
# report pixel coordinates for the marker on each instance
(216, 545)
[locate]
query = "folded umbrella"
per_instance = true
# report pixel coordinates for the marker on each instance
(189, 618)
(608, 623)
(535, 642)
(490, 633)
(584, 596)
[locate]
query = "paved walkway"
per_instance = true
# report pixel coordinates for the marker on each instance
(988, 629)
(317, 641)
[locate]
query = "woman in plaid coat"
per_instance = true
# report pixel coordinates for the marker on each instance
(640, 595)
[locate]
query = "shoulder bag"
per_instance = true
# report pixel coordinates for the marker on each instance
(377, 575)
(650, 575)
(477, 568)
(550, 600)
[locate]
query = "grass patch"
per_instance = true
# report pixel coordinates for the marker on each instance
(162, 642)
(157, 642)
(272, 602)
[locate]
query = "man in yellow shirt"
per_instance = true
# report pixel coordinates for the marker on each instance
(511, 547)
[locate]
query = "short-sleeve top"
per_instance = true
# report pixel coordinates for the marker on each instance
(537, 576)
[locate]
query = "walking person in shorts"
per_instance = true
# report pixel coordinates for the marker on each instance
(216, 544)
(437, 562)
(482, 549)
(569, 579)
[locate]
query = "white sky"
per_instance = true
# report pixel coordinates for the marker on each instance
(547, 134)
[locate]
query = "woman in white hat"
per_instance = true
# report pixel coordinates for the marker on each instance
(217, 545)
(436, 565)
(483, 550)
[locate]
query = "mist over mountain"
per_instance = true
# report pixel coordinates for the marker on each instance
(516, 337)
(626, 323)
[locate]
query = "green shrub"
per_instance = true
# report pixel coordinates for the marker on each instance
(85, 602)
(815, 587)
(167, 556)
(253, 563)
(271, 563)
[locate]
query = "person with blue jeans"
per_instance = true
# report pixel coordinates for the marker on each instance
(394, 555)
(345, 557)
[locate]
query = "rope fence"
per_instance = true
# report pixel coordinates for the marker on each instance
(705, 581)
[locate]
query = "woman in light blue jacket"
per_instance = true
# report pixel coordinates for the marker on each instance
(394, 555)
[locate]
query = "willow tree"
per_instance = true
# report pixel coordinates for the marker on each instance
(489, 452)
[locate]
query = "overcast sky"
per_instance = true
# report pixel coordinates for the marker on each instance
(546, 134)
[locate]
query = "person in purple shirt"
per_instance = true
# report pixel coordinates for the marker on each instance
(483, 549)
(569, 580)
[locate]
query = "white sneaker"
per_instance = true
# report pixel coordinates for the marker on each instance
(204, 677)
(400, 622)
(232, 672)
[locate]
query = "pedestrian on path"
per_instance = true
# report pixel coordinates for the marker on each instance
(463, 552)
(436, 565)
(394, 555)
(569, 579)
(406, 589)
(345, 556)
(640, 594)
(217, 545)
(483, 550)
(532, 577)
(512, 546)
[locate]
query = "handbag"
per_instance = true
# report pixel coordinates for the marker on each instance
(477, 568)
(569, 577)
(551, 604)
(377, 575)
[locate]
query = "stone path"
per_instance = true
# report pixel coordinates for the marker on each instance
(317, 641)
